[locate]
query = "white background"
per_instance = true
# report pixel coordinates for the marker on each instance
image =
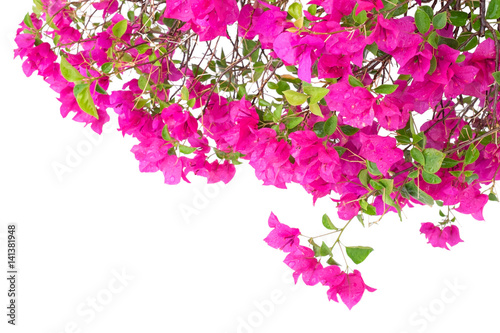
(210, 271)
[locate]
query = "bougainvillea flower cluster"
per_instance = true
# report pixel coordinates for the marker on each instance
(380, 106)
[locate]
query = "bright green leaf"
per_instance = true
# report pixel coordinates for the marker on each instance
(439, 21)
(316, 93)
(492, 197)
(294, 122)
(449, 163)
(331, 125)
(372, 168)
(430, 178)
(386, 89)
(422, 21)
(324, 250)
(315, 109)
(493, 11)
(186, 150)
(184, 93)
(417, 156)
(496, 75)
(165, 134)
(349, 130)
(433, 159)
(354, 82)
(85, 102)
(69, 72)
(471, 155)
(327, 223)
(458, 19)
(295, 10)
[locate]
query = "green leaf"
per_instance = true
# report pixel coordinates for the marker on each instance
(449, 163)
(165, 134)
(316, 93)
(439, 203)
(361, 17)
(422, 21)
(349, 130)
(458, 19)
(403, 139)
(439, 21)
(358, 253)
(340, 150)
(372, 168)
(324, 250)
(354, 82)
(456, 173)
(386, 88)
(432, 39)
(471, 155)
(433, 67)
(413, 174)
(100, 89)
(492, 197)
(453, 43)
(186, 149)
(460, 58)
(417, 156)
(493, 11)
(295, 98)
(312, 9)
(327, 223)
(428, 10)
(119, 28)
(184, 93)
(430, 178)
(471, 178)
(294, 122)
(376, 185)
(27, 20)
(332, 261)
(69, 72)
(411, 189)
(85, 101)
(191, 102)
(331, 125)
(496, 76)
(295, 10)
(315, 109)
(142, 48)
(433, 160)
(363, 177)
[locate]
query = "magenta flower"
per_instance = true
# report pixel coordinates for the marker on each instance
(282, 236)
(350, 287)
(438, 238)
(380, 150)
(302, 261)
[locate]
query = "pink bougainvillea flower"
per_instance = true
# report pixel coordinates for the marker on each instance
(348, 206)
(293, 50)
(355, 105)
(472, 202)
(438, 238)
(282, 236)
